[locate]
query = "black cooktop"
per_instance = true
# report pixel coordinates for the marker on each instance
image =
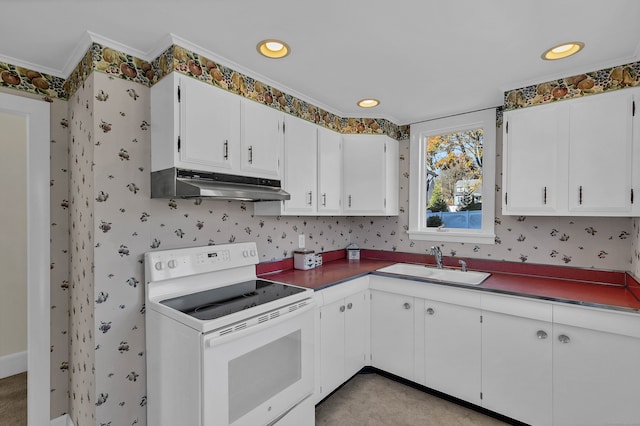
(218, 302)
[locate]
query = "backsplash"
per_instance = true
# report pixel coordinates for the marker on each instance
(586, 242)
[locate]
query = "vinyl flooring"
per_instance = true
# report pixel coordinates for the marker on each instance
(373, 400)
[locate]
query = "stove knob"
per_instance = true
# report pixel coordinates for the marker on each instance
(253, 252)
(158, 266)
(245, 253)
(171, 264)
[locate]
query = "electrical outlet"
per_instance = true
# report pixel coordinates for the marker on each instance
(301, 241)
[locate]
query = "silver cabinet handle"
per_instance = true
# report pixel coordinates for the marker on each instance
(407, 305)
(349, 305)
(430, 311)
(324, 200)
(563, 338)
(310, 194)
(251, 154)
(226, 149)
(342, 308)
(541, 334)
(349, 200)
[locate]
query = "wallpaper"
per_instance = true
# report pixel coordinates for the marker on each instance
(59, 258)
(126, 223)
(586, 242)
(576, 86)
(121, 65)
(34, 82)
(81, 280)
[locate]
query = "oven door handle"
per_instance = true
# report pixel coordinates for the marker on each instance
(217, 340)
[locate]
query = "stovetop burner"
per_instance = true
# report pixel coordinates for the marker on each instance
(218, 302)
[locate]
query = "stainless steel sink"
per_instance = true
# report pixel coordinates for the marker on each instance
(445, 275)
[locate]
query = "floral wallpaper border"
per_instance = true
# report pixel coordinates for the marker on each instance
(600, 81)
(176, 58)
(187, 62)
(48, 86)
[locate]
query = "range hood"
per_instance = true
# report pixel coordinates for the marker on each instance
(181, 183)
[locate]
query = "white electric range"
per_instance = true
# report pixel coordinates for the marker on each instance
(224, 347)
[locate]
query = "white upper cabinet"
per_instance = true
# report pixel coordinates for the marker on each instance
(312, 171)
(600, 153)
(195, 126)
(370, 175)
(573, 158)
(533, 148)
(261, 140)
(329, 172)
(300, 162)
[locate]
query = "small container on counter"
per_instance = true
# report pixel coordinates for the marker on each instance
(304, 259)
(318, 259)
(353, 252)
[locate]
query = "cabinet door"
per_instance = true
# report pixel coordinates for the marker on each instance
(261, 142)
(332, 341)
(600, 152)
(209, 126)
(364, 174)
(534, 144)
(392, 347)
(517, 367)
(300, 145)
(596, 377)
(453, 350)
(356, 330)
(329, 171)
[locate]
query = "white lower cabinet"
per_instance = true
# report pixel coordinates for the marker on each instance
(452, 349)
(516, 358)
(392, 333)
(539, 362)
(344, 334)
(596, 367)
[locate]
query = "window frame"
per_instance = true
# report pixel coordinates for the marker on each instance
(418, 230)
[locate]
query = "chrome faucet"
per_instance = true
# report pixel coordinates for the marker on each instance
(438, 254)
(463, 265)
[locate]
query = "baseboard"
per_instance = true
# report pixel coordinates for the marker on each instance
(62, 421)
(13, 364)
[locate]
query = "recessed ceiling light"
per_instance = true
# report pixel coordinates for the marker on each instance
(274, 49)
(563, 50)
(368, 103)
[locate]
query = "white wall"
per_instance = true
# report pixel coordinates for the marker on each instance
(13, 244)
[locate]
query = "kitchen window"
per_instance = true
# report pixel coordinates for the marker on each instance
(452, 179)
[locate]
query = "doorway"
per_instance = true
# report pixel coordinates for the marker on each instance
(32, 117)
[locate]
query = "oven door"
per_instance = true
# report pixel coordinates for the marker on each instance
(255, 375)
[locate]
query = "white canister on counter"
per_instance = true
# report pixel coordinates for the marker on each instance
(304, 259)
(353, 252)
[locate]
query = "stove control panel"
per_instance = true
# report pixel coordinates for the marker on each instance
(166, 264)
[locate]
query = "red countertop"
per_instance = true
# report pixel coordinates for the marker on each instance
(556, 283)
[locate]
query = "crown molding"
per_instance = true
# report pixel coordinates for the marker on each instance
(34, 67)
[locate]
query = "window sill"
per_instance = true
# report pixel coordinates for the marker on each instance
(450, 236)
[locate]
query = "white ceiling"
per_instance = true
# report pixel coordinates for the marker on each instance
(422, 58)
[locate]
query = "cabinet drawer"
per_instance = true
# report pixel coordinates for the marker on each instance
(515, 306)
(595, 319)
